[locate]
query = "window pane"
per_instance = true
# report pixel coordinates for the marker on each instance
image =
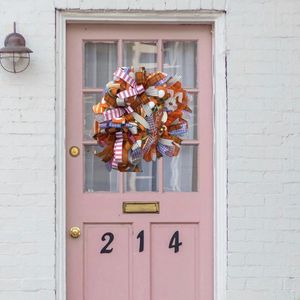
(181, 58)
(88, 101)
(100, 63)
(97, 177)
(191, 117)
(180, 172)
(141, 54)
(145, 181)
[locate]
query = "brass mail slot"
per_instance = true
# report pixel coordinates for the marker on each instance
(141, 207)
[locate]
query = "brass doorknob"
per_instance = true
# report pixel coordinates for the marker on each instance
(74, 232)
(74, 151)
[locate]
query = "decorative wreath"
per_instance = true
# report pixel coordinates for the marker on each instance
(140, 117)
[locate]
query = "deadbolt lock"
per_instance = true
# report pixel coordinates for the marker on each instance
(74, 232)
(74, 151)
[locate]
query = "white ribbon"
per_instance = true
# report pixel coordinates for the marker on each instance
(141, 120)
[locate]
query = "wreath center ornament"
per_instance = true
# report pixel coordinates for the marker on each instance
(140, 117)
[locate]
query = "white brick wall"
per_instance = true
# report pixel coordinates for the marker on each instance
(263, 41)
(27, 127)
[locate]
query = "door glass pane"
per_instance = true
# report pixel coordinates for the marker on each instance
(191, 117)
(180, 57)
(100, 63)
(88, 101)
(180, 172)
(145, 181)
(97, 177)
(140, 54)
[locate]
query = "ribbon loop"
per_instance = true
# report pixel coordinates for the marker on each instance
(132, 91)
(121, 74)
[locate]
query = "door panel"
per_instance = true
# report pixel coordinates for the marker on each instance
(160, 256)
(107, 261)
(174, 256)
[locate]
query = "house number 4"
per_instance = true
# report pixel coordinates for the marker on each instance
(108, 237)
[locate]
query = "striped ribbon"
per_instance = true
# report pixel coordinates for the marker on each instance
(181, 131)
(136, 155)
(115, 125)
(149, 141)
(121, 74)
(165, 150)
(126, 70)
(152, 136)
(150, 121)
(118, 150)
(110, 124)
(116, 113)
(132, 91)
(163, 81)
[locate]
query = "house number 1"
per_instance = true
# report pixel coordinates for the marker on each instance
(108, 237)
(140, 236)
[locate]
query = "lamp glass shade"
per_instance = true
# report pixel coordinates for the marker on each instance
(14, 62)
(15, 56)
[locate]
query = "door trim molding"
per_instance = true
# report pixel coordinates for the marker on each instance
(217, 19)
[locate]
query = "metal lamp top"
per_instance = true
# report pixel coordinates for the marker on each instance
(15, 42)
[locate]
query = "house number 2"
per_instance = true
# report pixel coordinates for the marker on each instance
(108, 237)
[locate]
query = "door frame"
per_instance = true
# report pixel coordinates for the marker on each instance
(217, 20)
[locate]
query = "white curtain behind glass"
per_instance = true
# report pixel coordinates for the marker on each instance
(180, 58)
(100, 63)
(180, 173)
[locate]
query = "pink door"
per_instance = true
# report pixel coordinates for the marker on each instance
(122, 254)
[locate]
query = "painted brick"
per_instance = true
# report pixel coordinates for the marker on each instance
(195, 4)
(206, 4)
(236, 260)
(261, 285)
(245, 271)
(219, 4)
(236, 284)
(249, 295)
(262, 66)
(237, 235)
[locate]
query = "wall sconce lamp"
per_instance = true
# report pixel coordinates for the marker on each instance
(15, 56)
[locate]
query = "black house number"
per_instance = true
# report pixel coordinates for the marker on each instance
(108, 237)
(140, 236)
